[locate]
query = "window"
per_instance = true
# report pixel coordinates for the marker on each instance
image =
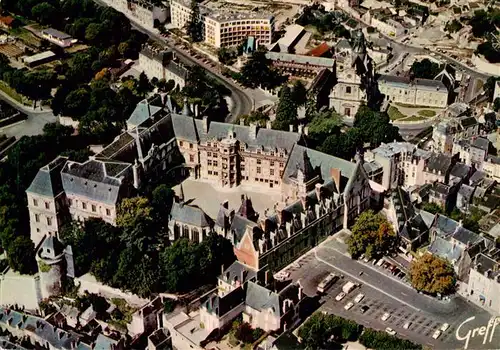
(47, 205)
(210, 172)
(49, 221)
(271, 172)
(108, 212)
(209, 154)
(35, 202)
(258, 170)
(216, 173)
(70, 201)
(191, 158)
(84, 205)
(259, 161)
(181, 143)
(282, 165)
(348, 90)
(215, 163)
(190, 145)
(271, 163)
(37, 217)
(209, 162)
(94, 209)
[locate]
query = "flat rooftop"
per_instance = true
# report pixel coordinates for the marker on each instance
(189, 326)
(208, 196)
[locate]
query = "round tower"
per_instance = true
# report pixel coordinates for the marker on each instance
(51, 266)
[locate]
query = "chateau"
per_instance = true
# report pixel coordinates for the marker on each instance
(319, 193)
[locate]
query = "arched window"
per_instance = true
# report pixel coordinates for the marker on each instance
(185, 231)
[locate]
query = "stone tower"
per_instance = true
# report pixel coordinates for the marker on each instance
(51, 266)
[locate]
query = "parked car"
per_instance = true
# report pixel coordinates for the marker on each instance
(444, 327)
(407, 325)
(385, 316)
(436, 334)
(359, 297)
(340, 296)
(364, 309)
(390, 331)
(349, 305)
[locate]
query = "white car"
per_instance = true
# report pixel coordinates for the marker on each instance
(444, 327)
(348, 305)
(359, 297)
(390, 331)
(407, 325)
(385, 316)
(340, 296)
(436, 334)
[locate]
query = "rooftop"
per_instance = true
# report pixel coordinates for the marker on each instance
(56, 33)
(188, 326)
(39, 57)
(425, 84)
(300, 59)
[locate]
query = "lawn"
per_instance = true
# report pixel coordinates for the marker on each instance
(394, 113)
(414, 118)
(14, 94)
(427, 113)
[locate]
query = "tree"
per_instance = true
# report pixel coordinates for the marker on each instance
(45, 13)
(135, 219)
(256, 117)
(496, 104)
(57, 130)
(194, 26)
(425, 69)
(76, 103)
(299, 93)
(322, 125)
(144, 86)
(21, 255)
(258, 71)
(378, 340)
(432, 274)
(372, 235)
(286, 112)
(375, 127)
(433, 208)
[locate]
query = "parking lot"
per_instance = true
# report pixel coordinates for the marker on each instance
(383, 292)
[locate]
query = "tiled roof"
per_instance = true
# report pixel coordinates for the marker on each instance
(47, 181)
(190, 215)
(319, 50)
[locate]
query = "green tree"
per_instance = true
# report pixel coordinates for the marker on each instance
(372, 235)
(374, 127)
(45, 13)
(432, 274)
(257, 117)
(378, 340)
(194, 27)
(433, 208)
(258, 71)
(135, 218)
(299, 93)
(76, 103)
(322, 125)
(286, 112)
(21, 255)
(496, 104)
(425, 69)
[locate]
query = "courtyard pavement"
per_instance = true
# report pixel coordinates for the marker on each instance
(207, 197)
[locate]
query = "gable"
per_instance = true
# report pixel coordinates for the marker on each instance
(245, 251)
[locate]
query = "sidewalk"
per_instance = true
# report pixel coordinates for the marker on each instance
(23, 108)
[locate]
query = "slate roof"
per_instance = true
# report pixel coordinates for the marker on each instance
(56, 337)
(343, 44)
(97, 180)
(260, 298)
(468, 121)
(321, 161)
(466, 191)
(439, 162)
(445, 249)
(235, 271)
(222, 305)
(481, 143)
(484, 264)
(190, 215)
(142, 112)
(47, 181)
(192, 130)
(56, 33)
(105, 343)
(460, 170)
(239, 226)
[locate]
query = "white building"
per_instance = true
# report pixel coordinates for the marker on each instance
(484, 283)
(162, 64)
(143, 12)
(225, 29)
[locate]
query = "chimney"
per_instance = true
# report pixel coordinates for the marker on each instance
(335, 174)
(253, 131)
(317, 188)
(291, 127)
(196, 111)
(135, 171)
(301, 128)
(306, 130)
(205, 124)
(268, 125)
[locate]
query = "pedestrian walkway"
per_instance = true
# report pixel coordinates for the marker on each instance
(23, 108)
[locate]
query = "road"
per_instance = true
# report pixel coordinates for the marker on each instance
(386, 293)
(242, 102)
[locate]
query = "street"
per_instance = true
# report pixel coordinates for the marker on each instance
(386, 293)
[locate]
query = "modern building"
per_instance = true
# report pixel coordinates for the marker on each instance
(57, 37)
(225, 29)
(484, 282)
(414, 92)
(162, 64)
